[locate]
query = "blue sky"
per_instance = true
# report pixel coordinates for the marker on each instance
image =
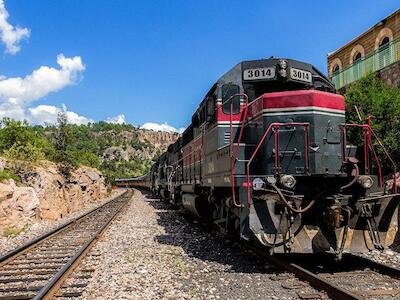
(153, 60)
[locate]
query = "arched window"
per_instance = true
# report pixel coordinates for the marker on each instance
(357, 57)
(384, 37)
(335, 66)
(336, 70)
(384, 53)
(357, 54)
(385, 41)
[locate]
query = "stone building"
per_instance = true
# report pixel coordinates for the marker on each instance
(375, 50)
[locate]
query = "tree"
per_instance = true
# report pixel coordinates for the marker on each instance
(20, 141)
(62, 139)
(373, 97)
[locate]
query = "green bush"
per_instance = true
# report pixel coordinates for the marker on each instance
(9, 174)
(20, 141)
(373, 97)
(27, 152)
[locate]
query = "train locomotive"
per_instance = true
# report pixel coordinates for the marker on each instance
(266, 157)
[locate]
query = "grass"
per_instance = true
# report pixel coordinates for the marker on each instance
(13, 231)
(194, 292)
(9, 174)
(181, 265)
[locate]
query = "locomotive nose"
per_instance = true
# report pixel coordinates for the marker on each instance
(307, 137)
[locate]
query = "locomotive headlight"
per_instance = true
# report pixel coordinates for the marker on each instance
(258, 184)
(366, 181)
(288, 181)
(282, 68)
(282, 72)
(282, 64)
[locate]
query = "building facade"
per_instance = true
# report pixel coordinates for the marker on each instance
(375, 50)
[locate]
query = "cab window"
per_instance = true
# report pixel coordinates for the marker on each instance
(228, 90)
(210, 109)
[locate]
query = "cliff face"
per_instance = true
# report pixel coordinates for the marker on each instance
(160, 140)
(139, 144)
(44, 193)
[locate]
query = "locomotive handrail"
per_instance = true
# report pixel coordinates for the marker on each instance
(275, 127)
(368, 131)
(394, 187)
(234, 155)
(244, 115)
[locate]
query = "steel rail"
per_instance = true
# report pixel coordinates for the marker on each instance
(317, 282)
(58, 279)
(373, 265)
(55, 282)
(36, 241)
(320, 283)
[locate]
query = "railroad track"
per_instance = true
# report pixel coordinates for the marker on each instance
(39, 269)
(353, 278)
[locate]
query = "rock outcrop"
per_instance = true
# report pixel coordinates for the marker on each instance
(151, 143)
(44, 193)
(159, 139)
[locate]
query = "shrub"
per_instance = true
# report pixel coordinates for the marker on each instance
(373, 97)
(9, 174)
(25, 152)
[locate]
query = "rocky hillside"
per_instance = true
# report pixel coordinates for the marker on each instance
(130, 152)
(43, 193)
(134, 143)
(117, 150)
(48, 172)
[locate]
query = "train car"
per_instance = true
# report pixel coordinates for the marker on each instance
(174, 172)
(266, 157)
(161, 188)
(137, 182)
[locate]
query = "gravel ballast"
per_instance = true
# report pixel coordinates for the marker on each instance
(152, 252)
(41, 227)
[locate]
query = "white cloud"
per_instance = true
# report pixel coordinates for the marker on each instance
(43, 114)
(17, 93)
(11, 35)
(74, 118)
(47, 114)
(161, 127)
(120, 119)
(41, 82)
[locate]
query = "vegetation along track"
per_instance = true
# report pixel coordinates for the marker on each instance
(351, 278)
(38, 269)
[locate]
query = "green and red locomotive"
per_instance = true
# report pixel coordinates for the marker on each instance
(266, 157)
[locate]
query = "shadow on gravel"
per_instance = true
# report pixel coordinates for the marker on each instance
(203, 244)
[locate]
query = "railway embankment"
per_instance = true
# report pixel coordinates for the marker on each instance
(41, 195)
(41, 227)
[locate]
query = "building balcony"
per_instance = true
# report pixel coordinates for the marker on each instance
(379, 59)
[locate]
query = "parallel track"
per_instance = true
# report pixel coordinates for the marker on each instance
(353, 278)
(37, 270)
